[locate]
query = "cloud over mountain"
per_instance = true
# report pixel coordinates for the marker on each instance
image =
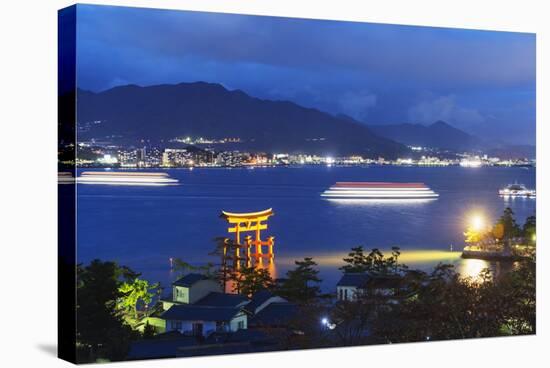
(373, 72)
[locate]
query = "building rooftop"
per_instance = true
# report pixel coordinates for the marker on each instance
(189, 279)
(258, 299)
(275, 314)
(161, 346)
(354, 279)
(218, 299)
(253, 336)
(186, 312)
(385, 282)
(178, 345)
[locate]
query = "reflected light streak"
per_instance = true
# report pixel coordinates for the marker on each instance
(124, 173)
(472, 268)
(126, 183)
(410, 257)
(361, 194)
(379, 190)
(65, 178)
(271, 268)
(126, 178)
(231, 285)
(371, 201)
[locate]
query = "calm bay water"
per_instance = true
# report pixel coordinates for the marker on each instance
(142, 227)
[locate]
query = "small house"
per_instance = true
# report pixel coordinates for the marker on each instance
(202, 320)
(198, 307)
(350, 285)
(353, 285)
(190, 289)
(262, 299)
(267, 310)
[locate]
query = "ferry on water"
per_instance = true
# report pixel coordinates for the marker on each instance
(517, 190)
(65, 177)
(379, 190)
(126, 178)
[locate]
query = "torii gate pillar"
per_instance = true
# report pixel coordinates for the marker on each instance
(250, 222)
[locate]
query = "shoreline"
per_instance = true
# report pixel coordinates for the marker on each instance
(251, 167)
(491, 256)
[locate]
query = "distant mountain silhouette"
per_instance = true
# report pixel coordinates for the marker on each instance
(437, 135)
(209, 110)
(517, 151)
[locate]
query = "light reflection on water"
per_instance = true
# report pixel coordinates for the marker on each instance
(409, 257)
(424, 260)
(142, 227)
(386, 201)
(472, 268)
(272, 268)
(330, 273)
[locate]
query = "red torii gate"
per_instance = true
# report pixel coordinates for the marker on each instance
(250, 222)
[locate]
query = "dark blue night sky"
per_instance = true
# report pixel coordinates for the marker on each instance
(480, 81)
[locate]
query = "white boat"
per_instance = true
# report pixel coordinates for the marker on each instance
(65, 177)
(126, 178)
(517, 190)
(379, 190)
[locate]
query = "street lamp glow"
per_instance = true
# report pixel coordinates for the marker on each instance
(324, 321)
(478, 222)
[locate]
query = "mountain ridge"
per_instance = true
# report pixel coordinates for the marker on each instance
(166, 111)
(439, 135)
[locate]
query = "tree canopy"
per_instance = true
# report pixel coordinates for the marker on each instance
(249, 280)
(448, 306)
(302, 283)
(530, 229)
(506, 227)
(135, 291)
(101, 330)
(181, 267)
(438, 305)
(374, 262)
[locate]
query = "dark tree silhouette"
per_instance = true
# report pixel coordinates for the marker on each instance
(302, 283)
(101, 331)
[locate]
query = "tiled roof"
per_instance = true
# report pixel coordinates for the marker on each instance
(160, 347)
(387, 282)
(217, 299)
(186, 312)
(275, 314)
(189, 279)
(258, 299)
(353, 279)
